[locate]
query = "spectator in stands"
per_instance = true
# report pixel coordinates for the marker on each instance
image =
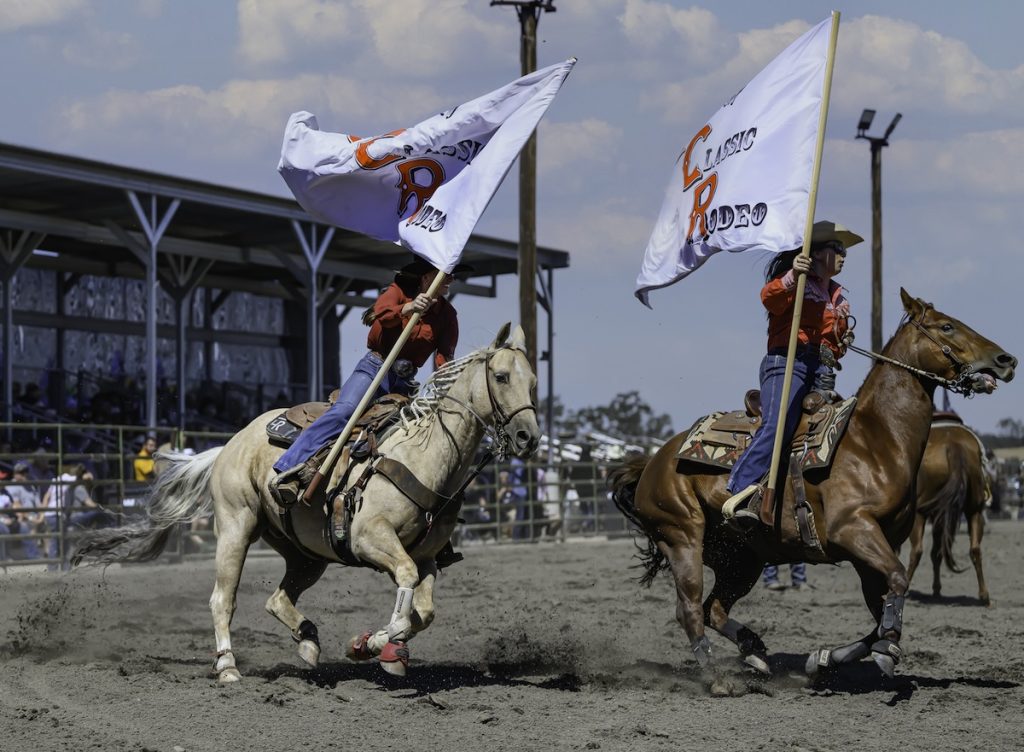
(144, 464)
(25, 496)
(521, 499)
(8, 519)
(84, 510)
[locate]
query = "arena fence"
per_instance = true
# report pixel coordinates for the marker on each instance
(509, 503)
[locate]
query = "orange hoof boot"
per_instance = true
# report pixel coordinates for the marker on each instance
(359, 648)
(394, 658)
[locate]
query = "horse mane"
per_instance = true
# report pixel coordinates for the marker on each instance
(433, 392)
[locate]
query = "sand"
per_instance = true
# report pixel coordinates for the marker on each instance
(542, 646)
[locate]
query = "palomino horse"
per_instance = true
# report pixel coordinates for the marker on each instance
(863, 505)
(490, 391)
(951, 481)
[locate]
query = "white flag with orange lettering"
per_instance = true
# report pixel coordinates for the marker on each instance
(742, 182)
(424, 186)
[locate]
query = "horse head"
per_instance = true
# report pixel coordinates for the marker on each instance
(511, 392)
(953, 351)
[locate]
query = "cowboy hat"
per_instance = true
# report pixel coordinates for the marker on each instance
(418, 267)
(825, 231)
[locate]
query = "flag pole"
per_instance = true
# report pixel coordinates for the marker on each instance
(768, 503)
(368, 396)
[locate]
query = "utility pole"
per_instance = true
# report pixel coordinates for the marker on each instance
(529, 15)
(876, 219)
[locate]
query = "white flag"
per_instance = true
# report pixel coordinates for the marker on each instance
(742, 182)
(424, 186)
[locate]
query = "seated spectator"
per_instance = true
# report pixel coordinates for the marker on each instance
(144, 464)
(8, 519)
(85, 511)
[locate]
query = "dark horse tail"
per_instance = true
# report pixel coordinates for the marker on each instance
(624, 480)
(945, 508)
(181, 492)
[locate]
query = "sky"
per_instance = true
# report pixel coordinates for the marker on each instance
(203, 89)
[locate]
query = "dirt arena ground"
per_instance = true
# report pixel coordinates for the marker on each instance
(534, 647)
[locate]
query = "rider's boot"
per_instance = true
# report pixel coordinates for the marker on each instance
(737, 509)
(286, 486)
(448, 556)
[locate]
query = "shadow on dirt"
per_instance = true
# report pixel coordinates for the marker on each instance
(864, 678)
(420, 681)
(945, 600)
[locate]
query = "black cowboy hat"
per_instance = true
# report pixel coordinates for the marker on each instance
(418, 267)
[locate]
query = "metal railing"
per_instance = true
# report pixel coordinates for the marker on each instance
(509, 502)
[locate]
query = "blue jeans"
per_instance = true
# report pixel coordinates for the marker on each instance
(797, 572)
(755, 462)
(329, 426)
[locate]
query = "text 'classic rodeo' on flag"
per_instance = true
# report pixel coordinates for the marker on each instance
(742, 181)
(424, 186)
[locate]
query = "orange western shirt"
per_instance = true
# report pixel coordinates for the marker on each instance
(822, 317)
(437, 329)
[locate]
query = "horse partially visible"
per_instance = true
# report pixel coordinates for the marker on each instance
(950, 482)
(863, 504)
(491, 391)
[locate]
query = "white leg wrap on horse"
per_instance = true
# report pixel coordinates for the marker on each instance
(401, 624)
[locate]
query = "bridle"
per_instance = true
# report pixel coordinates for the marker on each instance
(496, 428)
(966, 376)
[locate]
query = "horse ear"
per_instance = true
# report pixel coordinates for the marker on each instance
(518, 341)
(913, 306)
(502, 335)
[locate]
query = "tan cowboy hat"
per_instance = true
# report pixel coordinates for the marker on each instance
(824, 231)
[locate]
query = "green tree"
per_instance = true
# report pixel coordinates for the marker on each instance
(626, 416)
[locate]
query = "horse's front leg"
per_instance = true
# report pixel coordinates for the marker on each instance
(884, 584)
(376, 542)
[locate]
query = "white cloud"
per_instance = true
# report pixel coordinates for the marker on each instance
(20, 14)
(240, 116)
(583, 143)
(694, 32)
(105, 50)
(414, 37)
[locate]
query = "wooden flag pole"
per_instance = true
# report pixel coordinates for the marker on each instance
(768, 503)
(368, 396)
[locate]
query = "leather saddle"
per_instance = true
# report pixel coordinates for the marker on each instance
(719, 439)
(284, 428)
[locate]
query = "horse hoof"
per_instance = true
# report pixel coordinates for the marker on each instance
(886, 655)
(309, 652)
(229, 675)
(817, 661)
(758, 662)
(394, 658)
(359, 648)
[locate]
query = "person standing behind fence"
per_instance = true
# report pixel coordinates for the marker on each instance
(25, 496)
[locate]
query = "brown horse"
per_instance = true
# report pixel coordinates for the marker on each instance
(951, 481)
(863, 505)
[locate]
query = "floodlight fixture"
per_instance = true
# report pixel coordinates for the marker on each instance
(892, 125)
(865, 121)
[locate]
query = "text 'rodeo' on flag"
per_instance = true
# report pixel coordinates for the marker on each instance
(743, 180)
(424, 186)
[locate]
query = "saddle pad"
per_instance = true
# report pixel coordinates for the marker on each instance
(284, 428)
(719, 439)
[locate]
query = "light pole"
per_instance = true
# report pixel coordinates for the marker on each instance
(876, 219)
(529, 15)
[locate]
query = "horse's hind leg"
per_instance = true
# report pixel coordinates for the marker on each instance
(976, 528)
(732, 582)
(300, 574)
(233, 540)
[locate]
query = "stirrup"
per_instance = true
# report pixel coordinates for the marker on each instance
(285, 486)
(729, 508)
(448, 556)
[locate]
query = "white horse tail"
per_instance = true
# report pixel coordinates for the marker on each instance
(180, 493)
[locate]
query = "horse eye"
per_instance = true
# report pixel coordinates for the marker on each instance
(501, 378)
(947, 327)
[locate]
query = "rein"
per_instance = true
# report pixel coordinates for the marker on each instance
(962, 384)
